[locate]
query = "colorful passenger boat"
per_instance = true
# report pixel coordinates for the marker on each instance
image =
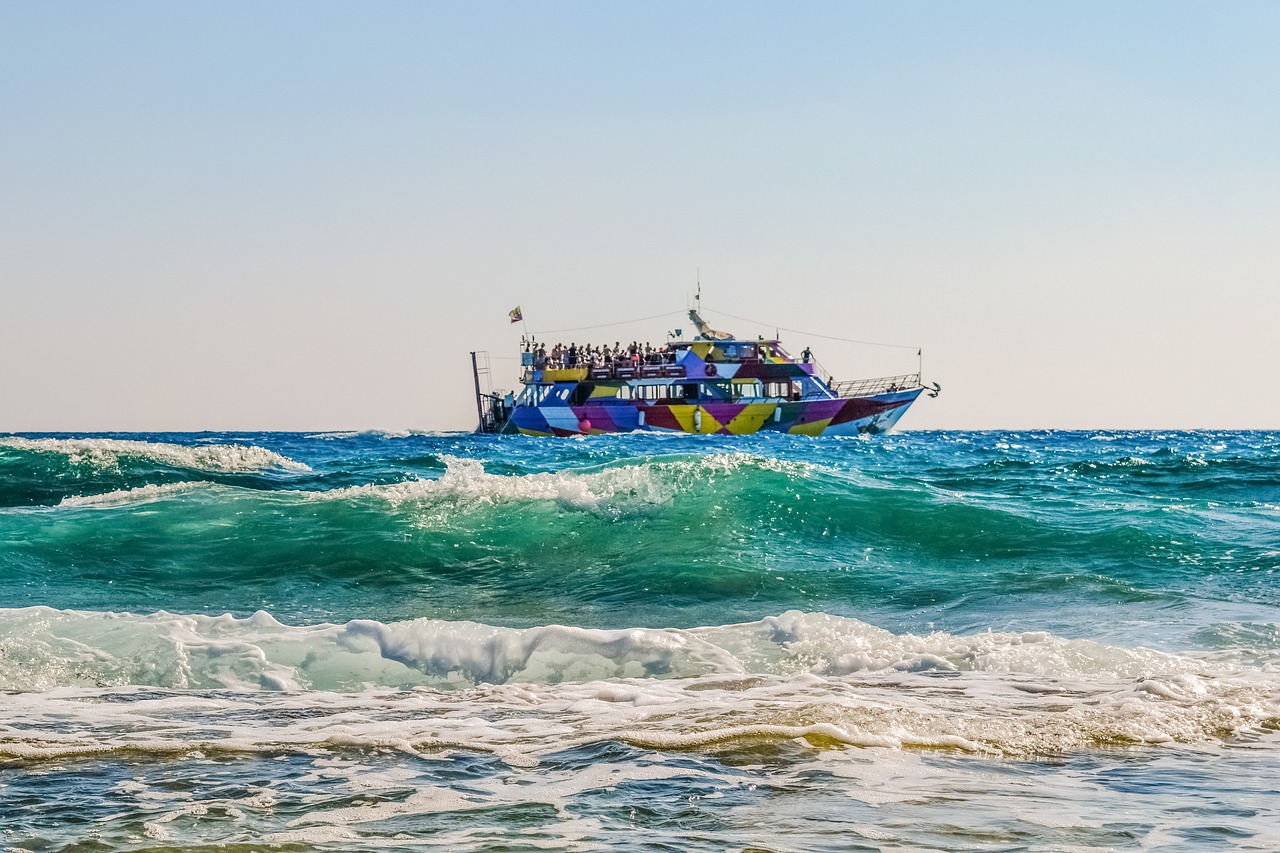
(713, 384)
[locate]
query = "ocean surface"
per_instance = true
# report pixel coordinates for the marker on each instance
(988, 641)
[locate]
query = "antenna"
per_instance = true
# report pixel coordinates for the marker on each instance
(698, 297)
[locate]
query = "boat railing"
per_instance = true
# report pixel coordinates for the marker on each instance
(622, 371)
(879, 385)
(821, 372)
(492, 406)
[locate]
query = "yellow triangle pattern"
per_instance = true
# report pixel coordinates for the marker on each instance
(750, 419)
(810, 428)
(684, 416)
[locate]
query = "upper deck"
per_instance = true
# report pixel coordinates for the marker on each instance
(698, 360)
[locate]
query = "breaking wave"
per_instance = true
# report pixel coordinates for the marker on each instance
(465, 482)
(819, 679)
(45, 648)
(107, 453)
(140, 495)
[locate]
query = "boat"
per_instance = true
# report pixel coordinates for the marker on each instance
(715, 383)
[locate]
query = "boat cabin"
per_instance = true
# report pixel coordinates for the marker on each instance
(698, 371)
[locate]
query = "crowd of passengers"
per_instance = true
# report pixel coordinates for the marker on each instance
(587, 355)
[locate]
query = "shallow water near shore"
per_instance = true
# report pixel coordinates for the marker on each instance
(367, 641)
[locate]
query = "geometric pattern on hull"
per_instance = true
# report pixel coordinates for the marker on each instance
(848, 416)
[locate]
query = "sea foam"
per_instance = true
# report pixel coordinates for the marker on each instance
(654, 482)
(107, 453)
(47, 648)
(88, 683)
(140, 495)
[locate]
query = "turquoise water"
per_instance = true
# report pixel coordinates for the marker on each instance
(359, 641)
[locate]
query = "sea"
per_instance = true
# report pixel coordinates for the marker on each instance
(921, 641)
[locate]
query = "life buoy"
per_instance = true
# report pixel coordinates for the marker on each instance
(711, 370)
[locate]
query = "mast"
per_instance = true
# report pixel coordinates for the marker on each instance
(475, 374)
(695, 316)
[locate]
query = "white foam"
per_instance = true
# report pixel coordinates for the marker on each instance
(106, 453)
(981, 713)
(466, 484)
(550, 654)
(467, 480)
(819, 642)
(47, 648)
(821, 681)
(140, 495)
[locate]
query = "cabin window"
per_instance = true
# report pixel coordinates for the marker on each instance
(716, 391)
(624, 392)
(787, 390)
(648, 392)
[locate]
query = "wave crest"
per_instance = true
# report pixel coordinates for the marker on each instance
(140, 495)
(45, 648)
(107, 454)
(815, 679)
(466, 483)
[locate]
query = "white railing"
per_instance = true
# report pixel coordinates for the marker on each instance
(879, 385)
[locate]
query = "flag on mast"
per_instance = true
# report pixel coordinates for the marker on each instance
(515, 314)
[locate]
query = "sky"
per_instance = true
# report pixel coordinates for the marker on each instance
(305, 215)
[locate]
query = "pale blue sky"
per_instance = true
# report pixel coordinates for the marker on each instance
(303, 215)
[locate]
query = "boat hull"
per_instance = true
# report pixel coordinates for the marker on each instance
(839, 416)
